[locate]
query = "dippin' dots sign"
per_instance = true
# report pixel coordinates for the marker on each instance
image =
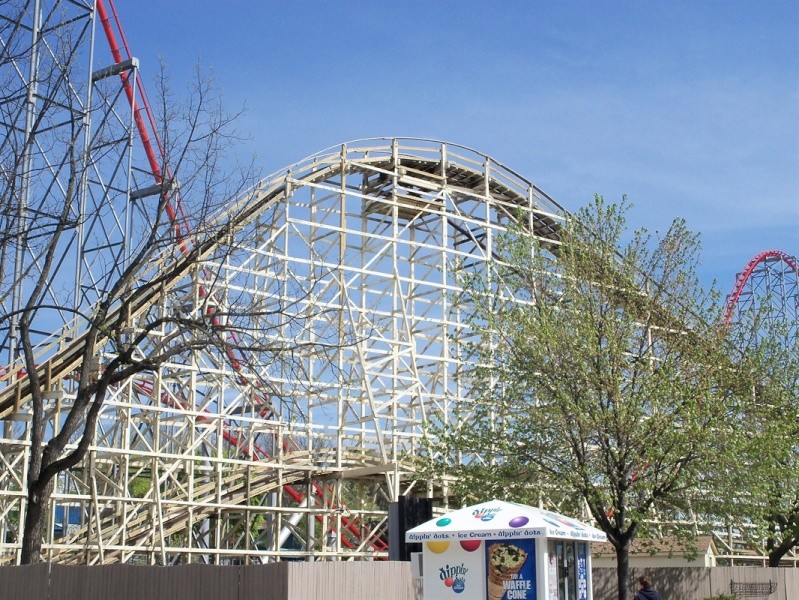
(485, 514)
(454, 577)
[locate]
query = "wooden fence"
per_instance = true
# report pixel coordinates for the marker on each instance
(699, 583)
(335, 581)
(279, 581)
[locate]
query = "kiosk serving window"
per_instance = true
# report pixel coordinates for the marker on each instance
(571, 569)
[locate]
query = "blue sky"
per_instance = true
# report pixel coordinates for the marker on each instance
(689, 108)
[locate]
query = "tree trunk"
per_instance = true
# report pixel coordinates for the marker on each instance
(623, 569)
(777, 551)
(35, 520)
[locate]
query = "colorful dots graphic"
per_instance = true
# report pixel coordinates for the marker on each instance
(437, 547)
(518, 521)
(444, 522)
(470, 545)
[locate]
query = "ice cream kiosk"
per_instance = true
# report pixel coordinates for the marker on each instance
(505, 551)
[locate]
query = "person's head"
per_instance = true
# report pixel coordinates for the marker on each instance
(645, 582)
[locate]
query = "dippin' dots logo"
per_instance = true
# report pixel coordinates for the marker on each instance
(485, 514)
(454, 577)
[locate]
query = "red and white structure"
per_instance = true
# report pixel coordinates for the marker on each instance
(235, 456)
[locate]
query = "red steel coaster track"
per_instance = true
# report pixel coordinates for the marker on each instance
(777, 284)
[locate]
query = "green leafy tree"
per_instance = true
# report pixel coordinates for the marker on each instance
(765, 496)
(782, 494)
(604, 379)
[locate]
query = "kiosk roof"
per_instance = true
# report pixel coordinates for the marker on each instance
(499, 519)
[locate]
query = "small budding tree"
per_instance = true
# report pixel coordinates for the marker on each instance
(604, 380)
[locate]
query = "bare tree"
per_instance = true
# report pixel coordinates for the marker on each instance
(123, 316)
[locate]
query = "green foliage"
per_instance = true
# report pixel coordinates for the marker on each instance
(139, 486)
(770, 507)
(256, 521)
(603, 380)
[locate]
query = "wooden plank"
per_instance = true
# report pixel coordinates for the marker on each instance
(366, 471)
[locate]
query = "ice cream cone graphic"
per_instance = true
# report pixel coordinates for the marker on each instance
(504, 563)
